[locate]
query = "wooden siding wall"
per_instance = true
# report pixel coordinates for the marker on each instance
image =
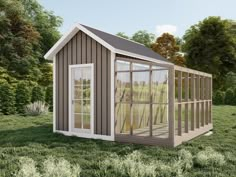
(82, 49)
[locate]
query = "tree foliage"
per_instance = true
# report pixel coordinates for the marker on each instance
(18, 39)
(37, 94)
(210, 46)
(47, 69)
(122, 35)
(45, 22)
(27, 31)
(229, 96)
(23, 94)
(7, 98)
(166, 46)
(143, 37)
(218, 98)
(49, 97)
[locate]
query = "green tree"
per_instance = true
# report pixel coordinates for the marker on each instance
(37, 94)
(123, 35)
(166, 46)
(7, 99)
(22, 96)
(46, 79)
(229, 96)
(46, 24)
(143, 37)
(18, 41)
(210, 46)
(230, 80)
(49, 97)
(219, 97)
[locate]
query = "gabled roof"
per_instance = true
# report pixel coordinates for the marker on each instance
(114, 43)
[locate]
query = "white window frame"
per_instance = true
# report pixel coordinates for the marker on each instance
(86, 133)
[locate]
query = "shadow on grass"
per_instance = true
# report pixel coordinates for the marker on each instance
(44, 136)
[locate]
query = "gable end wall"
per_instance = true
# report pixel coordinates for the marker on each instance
(82, 49)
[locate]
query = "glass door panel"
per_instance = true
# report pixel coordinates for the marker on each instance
(81, 97)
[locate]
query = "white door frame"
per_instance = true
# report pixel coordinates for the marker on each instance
(82, 133)
(92, 134)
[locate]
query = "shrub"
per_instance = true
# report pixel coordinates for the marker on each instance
(209, 157)
(36, 108)
(60, 168)
(37, 94)
(7, 98)
(50, 168)
(131, 165)
(186, 159)
(27, 168)
(49, 97)
(218, 98)
(22, 96)
(229, 96)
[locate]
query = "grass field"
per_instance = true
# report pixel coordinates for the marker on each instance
(33, 137)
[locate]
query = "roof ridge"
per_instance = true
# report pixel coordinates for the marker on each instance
(114, 35)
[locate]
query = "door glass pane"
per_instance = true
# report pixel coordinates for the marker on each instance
(81, 96)
(86, 106)
(78, 106)
(141, 86)
(86, 91)
(78, 120)
(86, 121)
(78, 92)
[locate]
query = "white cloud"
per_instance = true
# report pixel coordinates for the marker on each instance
(160, 29)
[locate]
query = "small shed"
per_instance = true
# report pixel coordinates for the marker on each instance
(110, 88)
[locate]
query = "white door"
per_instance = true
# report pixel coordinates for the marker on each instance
(81, 98)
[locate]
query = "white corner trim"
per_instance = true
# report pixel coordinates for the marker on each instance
(61, 43)
(69, 35)
(113, 55)
(54, 93)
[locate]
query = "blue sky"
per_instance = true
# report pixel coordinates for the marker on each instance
(129, 16)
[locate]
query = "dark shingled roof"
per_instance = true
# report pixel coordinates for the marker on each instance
(126, 45)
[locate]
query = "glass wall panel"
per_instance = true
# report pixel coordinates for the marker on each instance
(141, 114)
(141, 86)
(138, 66)
(123, 118)
(123, 87)
(122, 65)
(139, 76)
(160, 86)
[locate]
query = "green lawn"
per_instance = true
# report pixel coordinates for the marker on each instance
(33, 137)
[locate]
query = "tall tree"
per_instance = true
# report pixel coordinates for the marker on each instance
(143, 37)
(45, 22)
(166, 46)
(210, 46)
(27, 32)
(18, 39)
(123, 35)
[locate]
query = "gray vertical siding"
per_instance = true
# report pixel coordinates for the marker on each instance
(82, 49)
